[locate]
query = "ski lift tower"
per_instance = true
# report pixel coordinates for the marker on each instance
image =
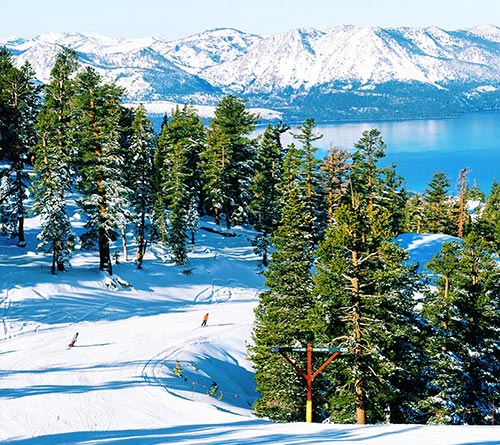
(309, 375)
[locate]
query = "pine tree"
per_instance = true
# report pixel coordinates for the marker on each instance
(312, 176)
(365, 298)
(159, 228)
(19, 103)
(414, 214)
(474, 193)
(265, 204)
(463, 217)
(393, 196)
(465, 312)
(488, 225)
(227, 161)
(97, 127)
(282, 313)
(53, 161)
(192, 220)
(335, 181)
(141, 185)
(178, 205)
(437, 214)
(181, 142)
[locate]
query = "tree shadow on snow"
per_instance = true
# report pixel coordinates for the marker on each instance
(220, 434)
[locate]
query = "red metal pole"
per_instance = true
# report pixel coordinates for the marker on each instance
(309, 384)
(308, 376)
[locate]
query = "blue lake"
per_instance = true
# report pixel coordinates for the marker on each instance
(420, 148)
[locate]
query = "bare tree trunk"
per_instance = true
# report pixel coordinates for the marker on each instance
(124, 244)
(104, 253)
(359, 386)
(461, 211)
(140, 242)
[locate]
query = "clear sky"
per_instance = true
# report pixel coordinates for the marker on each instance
(173, 19)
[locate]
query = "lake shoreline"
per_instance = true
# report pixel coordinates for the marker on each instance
(263, 123)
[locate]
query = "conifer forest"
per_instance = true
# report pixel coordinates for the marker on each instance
(422, 347)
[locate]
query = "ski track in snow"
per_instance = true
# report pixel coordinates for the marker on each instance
(216, 294)
(118, 384)
(5, 310)
(153, 371)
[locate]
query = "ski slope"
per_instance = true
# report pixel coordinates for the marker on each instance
(142, 366)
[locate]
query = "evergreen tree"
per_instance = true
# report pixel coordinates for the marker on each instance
(365, 299)
(265, 204)
(53, 161)
(178, 206)
(335, 181)
(6, 67)
(488, 225)
(414, 214)
(97, 128)
(312, 176)
(181, 143)
(19, 103)
(126, 153)
(383, 187)
(474, 193)
(282, 313)
(463, 219)
(142, 148)
(437, 213)
(393, 196)
(159, 229)
(192, 220)
(465, 312)
(227, 161)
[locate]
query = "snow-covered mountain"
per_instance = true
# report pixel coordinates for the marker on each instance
(344, 72)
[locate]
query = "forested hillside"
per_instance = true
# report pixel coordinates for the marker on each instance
(419, 351)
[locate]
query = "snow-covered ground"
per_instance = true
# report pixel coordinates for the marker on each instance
(142, 366)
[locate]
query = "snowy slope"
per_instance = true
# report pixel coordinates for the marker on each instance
(345, 71)
(118, 385)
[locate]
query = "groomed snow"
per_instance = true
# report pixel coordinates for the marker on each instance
(117, 385)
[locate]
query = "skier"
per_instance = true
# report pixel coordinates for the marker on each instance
(72, 343)
(205, 319)
(213, 389)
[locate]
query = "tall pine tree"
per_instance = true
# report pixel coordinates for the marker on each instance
(97, 128)
(281, 317)
(437, 212)
(141, 179)
(265, 205)
(312, 177)
(335, 180)
(227, 161)
(488, 224)
(19, 103)
(54, 161)
(365, 295)
(464, 309)
(181, 141)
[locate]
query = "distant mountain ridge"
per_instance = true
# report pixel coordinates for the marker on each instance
(343, 73)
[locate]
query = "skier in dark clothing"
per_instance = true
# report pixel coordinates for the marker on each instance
(213, 389)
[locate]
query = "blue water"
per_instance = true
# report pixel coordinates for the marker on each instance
(420, 148)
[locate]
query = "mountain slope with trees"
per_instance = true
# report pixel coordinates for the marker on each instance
(326, 231)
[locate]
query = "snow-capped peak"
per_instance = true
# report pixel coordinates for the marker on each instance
(406, 66)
